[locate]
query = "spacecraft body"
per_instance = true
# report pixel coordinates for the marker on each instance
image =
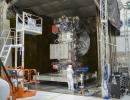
(72, 40)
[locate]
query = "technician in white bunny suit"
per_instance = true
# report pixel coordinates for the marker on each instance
(70, 79)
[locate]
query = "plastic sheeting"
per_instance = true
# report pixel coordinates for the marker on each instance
(114, 13)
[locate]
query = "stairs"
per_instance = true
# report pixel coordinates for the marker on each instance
(5, 53)
(6, 46)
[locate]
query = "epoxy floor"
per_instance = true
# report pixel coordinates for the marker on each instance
(56, 87)
(41, 95)
(56, 91)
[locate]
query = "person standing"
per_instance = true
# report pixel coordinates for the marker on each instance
(70, 79)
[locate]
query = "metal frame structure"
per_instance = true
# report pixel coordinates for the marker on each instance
(104, 50)
(16, 40)
(23, 28)
(104, 38)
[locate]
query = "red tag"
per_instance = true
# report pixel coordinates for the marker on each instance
(54, 29)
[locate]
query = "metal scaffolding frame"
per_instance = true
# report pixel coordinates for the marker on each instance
(15, 39)
(104, 38)
(104, 43)
(24, 25)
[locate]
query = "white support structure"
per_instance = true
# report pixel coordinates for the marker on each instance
(25, 24)
(104, 37)
(31, 24)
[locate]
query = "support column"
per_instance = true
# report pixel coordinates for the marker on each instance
(104, 47)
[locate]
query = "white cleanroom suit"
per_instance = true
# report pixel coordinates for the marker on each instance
(70, 77)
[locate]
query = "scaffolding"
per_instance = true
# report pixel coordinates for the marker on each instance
(104, 38)
(104, 41)
(25, 24)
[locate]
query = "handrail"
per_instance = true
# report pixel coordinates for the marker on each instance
(28, 14)
(4, 43)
